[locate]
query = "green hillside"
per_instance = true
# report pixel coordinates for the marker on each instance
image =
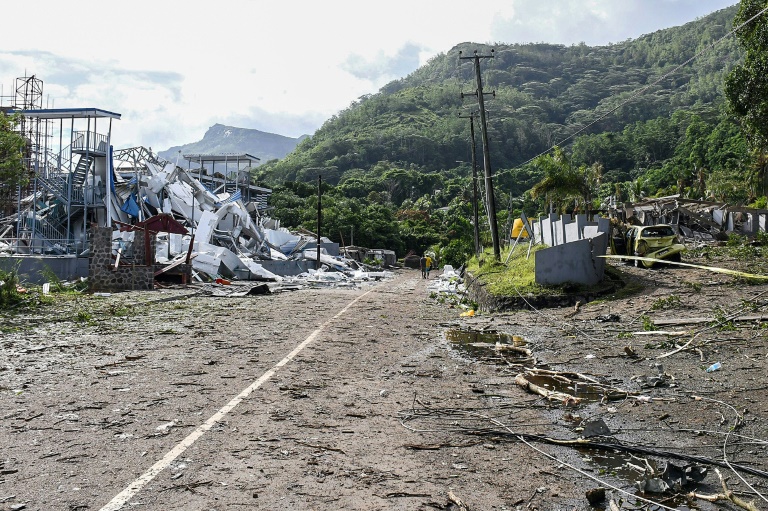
(637, 113)
(544, 93)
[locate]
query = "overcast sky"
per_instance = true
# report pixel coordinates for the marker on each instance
(173, 69)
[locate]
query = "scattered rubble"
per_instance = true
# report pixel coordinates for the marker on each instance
(697, 221)
(223, 235)
(219, 226)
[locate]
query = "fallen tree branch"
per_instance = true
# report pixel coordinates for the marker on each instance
(550, 395)
(608, 393)
(456, 500)
(726, 495)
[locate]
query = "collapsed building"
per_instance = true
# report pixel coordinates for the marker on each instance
(695, 219)
(206, 221)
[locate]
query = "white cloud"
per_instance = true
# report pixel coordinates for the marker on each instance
(174, 69)
(594, 22)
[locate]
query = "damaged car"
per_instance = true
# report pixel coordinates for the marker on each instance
(653, 242)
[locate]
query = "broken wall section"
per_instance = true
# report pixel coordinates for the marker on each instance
(575, 249)
(102, 274)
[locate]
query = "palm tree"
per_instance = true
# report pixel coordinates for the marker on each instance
(564, 184)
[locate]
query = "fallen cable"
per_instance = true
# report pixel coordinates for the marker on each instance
(453, 414)
(604, 483)
(537, 311)
(736, 424)
(715, 269)
(564, 463)
(522, 438)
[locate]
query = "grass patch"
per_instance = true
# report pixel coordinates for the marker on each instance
(648, 325)
(670, 302)
(517, 275)
(693, 286)
(119, 311)
(83, 316)
(18, 295)
(9, 296)
(59, 287)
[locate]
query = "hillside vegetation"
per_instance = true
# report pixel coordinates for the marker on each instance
(630, 118)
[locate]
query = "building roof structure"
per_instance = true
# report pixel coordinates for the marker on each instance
(67, 113)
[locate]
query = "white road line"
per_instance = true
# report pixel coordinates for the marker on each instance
(135, 487)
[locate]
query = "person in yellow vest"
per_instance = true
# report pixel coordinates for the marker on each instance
(428, 265)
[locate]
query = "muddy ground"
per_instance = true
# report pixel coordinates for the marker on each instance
(381, 397)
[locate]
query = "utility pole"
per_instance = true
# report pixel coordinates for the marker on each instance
(319, 216)
(475, 220)
(319, 204)
(486, 154)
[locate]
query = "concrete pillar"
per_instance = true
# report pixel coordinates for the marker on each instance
(581, 222)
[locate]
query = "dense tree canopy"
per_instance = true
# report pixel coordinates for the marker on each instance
(12, 172)
(747, 84)
(747, 89)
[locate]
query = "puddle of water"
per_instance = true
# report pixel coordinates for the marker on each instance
(617, 464)
(582, 390)
(487, 336)
(482, 345)
(627, 468)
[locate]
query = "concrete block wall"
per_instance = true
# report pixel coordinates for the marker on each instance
(752, 221)
(572, 262)
(554, 230)
(575, 249)
(102, 275)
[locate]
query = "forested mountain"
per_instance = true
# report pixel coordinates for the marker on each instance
(544, 93)
(645, 115)
(221, 139)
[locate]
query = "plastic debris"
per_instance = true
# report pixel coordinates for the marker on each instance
(714, 367)
(596, 427)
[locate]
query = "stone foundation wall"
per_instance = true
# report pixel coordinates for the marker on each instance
(102, 275)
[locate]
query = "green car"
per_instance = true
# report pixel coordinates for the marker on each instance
(654, 242)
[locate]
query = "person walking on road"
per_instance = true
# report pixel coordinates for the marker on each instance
(428, 265)
(423, 266)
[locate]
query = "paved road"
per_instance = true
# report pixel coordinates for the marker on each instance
(351, 398)
(291, 401)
